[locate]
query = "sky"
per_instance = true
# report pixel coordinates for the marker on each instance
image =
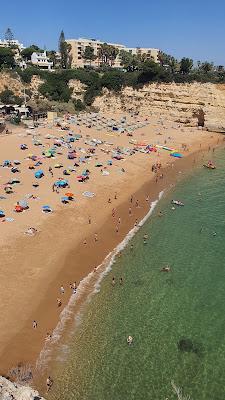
(182, 28)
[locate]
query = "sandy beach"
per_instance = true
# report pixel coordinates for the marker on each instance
(66, 247)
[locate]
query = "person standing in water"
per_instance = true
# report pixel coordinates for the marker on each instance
(49, 383)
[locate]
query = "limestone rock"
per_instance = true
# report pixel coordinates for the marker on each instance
(12, 391)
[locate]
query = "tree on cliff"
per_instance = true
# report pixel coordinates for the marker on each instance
(64, 49)
(27, 53)
(186, 65)
(9, 35)
(107, 54)
(88, 54)
(206, 67)
(6, 58)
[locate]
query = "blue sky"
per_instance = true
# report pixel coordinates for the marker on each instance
(192, 28)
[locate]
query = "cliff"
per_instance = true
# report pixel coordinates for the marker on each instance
(13, 391)
(190, 104)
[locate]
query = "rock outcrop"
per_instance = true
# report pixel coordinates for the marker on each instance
(193, 104)
(12, 391)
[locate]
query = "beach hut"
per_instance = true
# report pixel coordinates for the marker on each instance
(39, 174)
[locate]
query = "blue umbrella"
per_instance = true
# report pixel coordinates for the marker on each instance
(39, 174)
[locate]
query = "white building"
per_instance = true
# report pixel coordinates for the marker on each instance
(41, 60)
(11, 43)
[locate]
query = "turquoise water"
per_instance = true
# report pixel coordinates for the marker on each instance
(159, 309)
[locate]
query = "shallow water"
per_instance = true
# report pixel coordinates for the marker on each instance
(159, 309)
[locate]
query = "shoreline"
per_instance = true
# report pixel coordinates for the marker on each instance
(52, 364)
(24, 339)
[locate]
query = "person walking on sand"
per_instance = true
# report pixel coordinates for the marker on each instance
(89, 220)
(113, 281)
(50, 171)
(131, 199)
(117, 229)
(34, 324)
(113, 212)
(96, 237)
(62, 290)
(137, 204)
(130, 211)
(121, 281)
(53, 187)
(59, 302)
(49, 383)
(85, 242)
(115, 196)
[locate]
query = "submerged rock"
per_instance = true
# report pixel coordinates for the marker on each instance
(13, 391)
(187, 345)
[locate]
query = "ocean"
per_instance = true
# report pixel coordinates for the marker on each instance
(176, 318)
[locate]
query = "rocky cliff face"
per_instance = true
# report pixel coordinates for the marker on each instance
(190, 104)
(12, 391)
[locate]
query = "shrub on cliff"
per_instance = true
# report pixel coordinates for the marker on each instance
(55, 88)
(8, 97)
(113, 80)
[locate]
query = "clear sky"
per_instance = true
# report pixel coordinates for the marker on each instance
(191, 28)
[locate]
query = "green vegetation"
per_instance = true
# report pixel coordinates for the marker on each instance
(89, 55)
(27, 53)
(64, 49)
(6, 58)
(8, 97)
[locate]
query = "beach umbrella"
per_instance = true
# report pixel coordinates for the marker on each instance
(18, 208)
(23, 204)
(58, 166)
(2, 214)
(65, 199)
(16, 162)
(177, 155)
(23, 147)
(46, 209)
(66, 172)
(39, 174)
(69, 195)
(7, 163)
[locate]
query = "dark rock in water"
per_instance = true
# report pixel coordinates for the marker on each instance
(187, 345)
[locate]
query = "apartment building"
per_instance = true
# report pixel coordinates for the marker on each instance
(78, 47)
